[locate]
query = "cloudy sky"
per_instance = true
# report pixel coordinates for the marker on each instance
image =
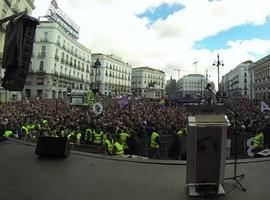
(172, 34)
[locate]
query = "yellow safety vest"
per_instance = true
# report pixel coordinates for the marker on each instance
(109, 145)
(26, 129)
(70, 135)
(258, 140)
(153, 142)
(124, 136)
(119, 149)
(8, 133)
(97, 137)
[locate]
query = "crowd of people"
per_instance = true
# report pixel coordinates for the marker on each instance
(117, 125)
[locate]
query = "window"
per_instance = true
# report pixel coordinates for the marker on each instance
(43, 49)
(45, 36)
(54, 68)
(61, 69)
(4, 12)
(41, 66)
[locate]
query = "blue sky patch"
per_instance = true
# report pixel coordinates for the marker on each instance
(243, 32)
(160, 12)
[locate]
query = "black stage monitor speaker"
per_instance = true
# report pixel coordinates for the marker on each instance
(52, 146)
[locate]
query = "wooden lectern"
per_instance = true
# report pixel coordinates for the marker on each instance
(206, 152)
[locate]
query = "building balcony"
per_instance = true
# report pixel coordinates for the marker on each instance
(8, 2)
(42, 55)
(44, 40)
(66, 62)
(40, 72)
(56, 57)
(62, 60)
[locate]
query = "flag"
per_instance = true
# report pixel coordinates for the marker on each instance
(264, 107)
(162, 102)
(124, 101)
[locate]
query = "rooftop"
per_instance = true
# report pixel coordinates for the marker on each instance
(147, 68)
(89, 176)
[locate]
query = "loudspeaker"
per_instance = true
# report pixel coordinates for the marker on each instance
(52, 146)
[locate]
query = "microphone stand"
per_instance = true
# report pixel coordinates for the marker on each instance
(235, 177)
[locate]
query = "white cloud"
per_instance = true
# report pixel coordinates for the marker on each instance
(111, 26)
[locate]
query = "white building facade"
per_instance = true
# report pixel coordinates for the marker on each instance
(191, 86)
(113, 75)
(236, 83)
(7, 8)
(146, 79)
(259, 73)
(59, 62)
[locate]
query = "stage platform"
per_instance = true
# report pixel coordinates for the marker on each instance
(85, 176)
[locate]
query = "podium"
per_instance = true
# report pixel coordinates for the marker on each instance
(206, 153)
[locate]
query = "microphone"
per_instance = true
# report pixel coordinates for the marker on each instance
(208, 86)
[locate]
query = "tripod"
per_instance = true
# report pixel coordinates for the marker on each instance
(235, 177)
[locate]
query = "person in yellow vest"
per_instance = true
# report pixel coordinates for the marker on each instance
(108, 143)
(71, 136)
(8, 133)
(124, 136)
(118, 147)
(183, 137)
(258, 140)
(97, 136)
(78, 137)
(24, 131)
(154, 145)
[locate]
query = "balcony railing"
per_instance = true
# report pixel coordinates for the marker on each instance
(44, 40)
(42, 55)
(8, 2)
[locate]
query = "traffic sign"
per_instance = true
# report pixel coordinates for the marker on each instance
(97, 108)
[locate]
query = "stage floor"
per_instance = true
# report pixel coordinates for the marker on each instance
(87, 176)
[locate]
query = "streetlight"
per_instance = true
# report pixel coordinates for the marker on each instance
(95, 85)
(218, 63)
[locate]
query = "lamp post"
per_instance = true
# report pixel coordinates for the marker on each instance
(95, 85)
(218, 63)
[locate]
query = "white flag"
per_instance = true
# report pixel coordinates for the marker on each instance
(264, 106)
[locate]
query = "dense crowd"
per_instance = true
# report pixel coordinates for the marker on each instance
(138, 118)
